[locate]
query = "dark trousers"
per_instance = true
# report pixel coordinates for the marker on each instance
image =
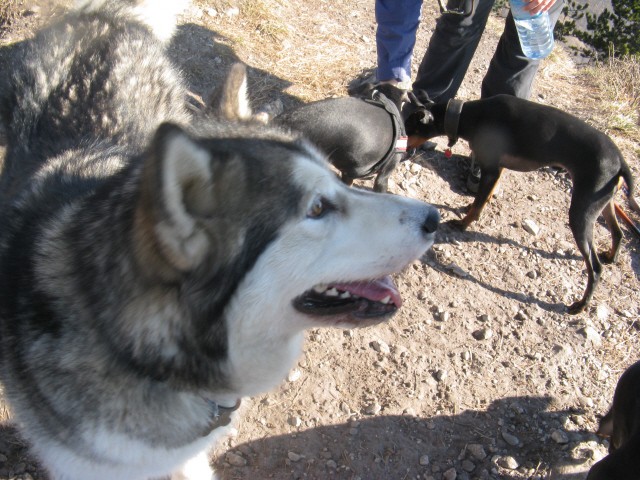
(453, 45)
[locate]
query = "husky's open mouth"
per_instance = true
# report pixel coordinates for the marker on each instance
(364, 299)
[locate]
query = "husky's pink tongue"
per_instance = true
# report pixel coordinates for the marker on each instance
(375, 290)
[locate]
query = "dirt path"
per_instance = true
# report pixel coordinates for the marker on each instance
(482, 374)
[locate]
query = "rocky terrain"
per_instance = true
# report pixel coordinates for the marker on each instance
(482, 374)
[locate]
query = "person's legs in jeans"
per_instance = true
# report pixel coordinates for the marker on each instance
(398, 22)
(450, 51)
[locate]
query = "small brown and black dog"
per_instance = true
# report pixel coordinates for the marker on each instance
(622, 426)
(509, 132)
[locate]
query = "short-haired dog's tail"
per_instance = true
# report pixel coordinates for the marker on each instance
(160, 18)
(626, 175)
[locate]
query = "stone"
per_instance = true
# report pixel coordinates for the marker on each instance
(477, 451)
(559, 437)
(235, 459)
(510, 439)
(507, 462)
(531, 227)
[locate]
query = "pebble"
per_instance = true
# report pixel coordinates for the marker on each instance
(510, 439)
(477, 451)
(585, 401)
(380, 346)
(235, 459)
(424, 460)
(440, 375)
(483, 334)
(468, 466)
(591, 335)
(507, 462)
(531, 227)
(450, 474)
(373, 408)
(560, 437)
(331, 464)
(294, 375)
(521, 315)
(295, 421)
(294, 457)
(602, 312)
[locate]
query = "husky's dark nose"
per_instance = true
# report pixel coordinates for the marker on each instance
(430, 224)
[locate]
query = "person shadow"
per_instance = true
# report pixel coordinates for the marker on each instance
(513, 438)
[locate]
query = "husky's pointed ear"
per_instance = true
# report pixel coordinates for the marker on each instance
(230, 101)
(176, 192)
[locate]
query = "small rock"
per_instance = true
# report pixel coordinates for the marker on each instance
(294, 375)
(531, 227)
(295, 421)
(373, 408)
(294, 457)
(235, 459)
(602, 312)
(331, 464)
(380, 347)
(560, 437)
(440, 375)
(468, 466)
(507, 462)
(585, 401)
(477, 451)
(510, 439)
(591, 335)
(482, 334)
(232, 12)
(450, 474)
(424, 460)
(521, 316)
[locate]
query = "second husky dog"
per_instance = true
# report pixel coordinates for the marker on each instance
(155, 269)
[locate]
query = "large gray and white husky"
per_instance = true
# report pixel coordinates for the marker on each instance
(155, 268)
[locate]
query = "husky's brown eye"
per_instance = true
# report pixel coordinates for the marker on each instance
(319, 207)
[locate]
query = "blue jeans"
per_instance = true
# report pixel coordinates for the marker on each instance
(398, 22)
(450, 50)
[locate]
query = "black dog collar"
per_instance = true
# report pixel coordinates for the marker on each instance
(452, 120)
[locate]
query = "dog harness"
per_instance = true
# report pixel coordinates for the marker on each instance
(452, 120)
(399, 146)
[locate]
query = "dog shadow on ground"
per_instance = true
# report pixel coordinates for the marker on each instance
(407, 446)
(204, 58)
(521, 297)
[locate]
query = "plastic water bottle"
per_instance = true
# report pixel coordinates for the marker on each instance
(536, 35)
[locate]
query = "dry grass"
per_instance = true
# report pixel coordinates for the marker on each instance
(9, 10)
(618, 81)
(301, 43)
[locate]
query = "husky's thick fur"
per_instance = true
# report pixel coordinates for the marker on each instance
(155, 268)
